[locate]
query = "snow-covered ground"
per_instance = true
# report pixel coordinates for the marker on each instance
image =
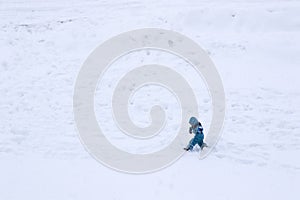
(255, 46)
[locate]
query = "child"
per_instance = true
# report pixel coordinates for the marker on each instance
(197, 129)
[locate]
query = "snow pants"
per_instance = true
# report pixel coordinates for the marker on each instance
(198, 139)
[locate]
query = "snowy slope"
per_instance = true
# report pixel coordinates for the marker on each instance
(255, 46)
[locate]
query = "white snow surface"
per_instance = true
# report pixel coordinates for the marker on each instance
(255, 46)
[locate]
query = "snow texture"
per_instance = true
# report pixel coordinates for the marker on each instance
(255, 46)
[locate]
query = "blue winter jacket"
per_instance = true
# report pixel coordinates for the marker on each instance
(198, 129)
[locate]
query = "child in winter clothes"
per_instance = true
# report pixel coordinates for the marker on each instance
(197, 129)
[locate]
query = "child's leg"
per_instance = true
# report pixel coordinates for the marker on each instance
(200, 140)
(192, 143)
(200, 143)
